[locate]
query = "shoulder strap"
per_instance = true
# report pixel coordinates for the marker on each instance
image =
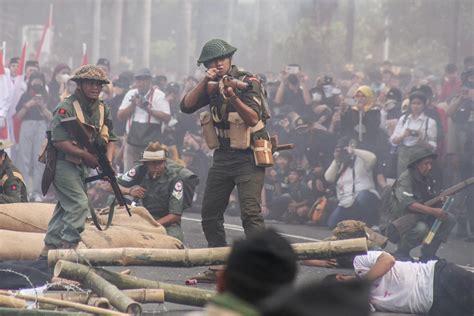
(78, 110)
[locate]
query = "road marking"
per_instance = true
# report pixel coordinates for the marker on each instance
(240, 229)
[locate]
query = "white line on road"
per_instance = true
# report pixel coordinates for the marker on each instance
(240, 229)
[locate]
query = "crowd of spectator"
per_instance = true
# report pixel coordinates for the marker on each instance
(353, 132)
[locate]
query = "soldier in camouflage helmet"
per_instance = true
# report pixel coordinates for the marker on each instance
(412, 188)
(12, 185)
(231, 167)
(74, 162)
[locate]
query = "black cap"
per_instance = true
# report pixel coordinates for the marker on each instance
(14, 60)
(31, 63)
(103, 62)
(424, 88)
(143, 73)
(394, 94)
(172, 87)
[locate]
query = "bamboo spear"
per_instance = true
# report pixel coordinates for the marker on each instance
(196, 257)
(173, 293)
(138, 295)
(10, 301)
(98, 285)
(82, 307)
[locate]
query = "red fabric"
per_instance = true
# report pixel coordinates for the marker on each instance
(2, 67)
(85, 59)
(16, 127)
(4, 132)
(21, 63)
(47, 26)
(449, 88)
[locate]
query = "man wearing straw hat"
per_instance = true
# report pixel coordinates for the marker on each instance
(162, 185)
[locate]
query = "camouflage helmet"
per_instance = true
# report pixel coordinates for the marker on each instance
(89, 72)
(215, 48)
(419, 154)
(355, 229)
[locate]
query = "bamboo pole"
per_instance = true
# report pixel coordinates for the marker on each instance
(9, 301)
(173, 293)
(197, 257)
(97, 284)
(82, 307)
(138, 295)
(4, 311)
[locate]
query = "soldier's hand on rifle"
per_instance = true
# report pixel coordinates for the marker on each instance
(211, 74)
(439, 214)
(137, 192)
(90, 160)
(229, 92)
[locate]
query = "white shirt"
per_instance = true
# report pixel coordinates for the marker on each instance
(353, 180)
(406, 288)
(421, 124)
(158, 103)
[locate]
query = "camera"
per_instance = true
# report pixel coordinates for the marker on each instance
(143, 101)
(414, 133)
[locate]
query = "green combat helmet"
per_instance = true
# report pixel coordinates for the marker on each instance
(420, 154)
(89, 72)
(215, 48)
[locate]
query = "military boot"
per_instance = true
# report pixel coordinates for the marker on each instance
(44, 251)
(428, 252)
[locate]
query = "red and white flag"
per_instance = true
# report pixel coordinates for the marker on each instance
(85, 59)
(2, 59)
(44, 47)
(21, 63)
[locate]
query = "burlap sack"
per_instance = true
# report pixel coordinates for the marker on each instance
(21, 245)
(26, 217)
(118, 237)
(141, 220)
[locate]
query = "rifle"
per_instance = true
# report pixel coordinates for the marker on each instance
(277, 147)
(434, 228)
(49, 158)
(406, 222)
(87, 136)
(214, 87)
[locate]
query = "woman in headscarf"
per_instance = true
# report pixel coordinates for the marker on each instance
(33, 112)
(414, 129)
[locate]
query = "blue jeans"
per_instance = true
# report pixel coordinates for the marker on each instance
(365, 209)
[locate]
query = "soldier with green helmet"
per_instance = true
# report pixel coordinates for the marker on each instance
(233, 165)
(12, 185)
(413, 187)
(74, 162)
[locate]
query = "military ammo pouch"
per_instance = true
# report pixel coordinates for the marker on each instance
(208, 130)
(239, 132)
(262, 152)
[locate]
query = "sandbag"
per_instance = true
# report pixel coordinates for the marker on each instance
(26, 217)
(118, 237)
(21, 245)
(141, 220)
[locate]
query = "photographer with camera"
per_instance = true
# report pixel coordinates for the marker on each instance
(146, 110)
(34, 113)
(293, 90)
(414, 129)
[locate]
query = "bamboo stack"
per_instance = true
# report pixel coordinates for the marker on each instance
(197, 257)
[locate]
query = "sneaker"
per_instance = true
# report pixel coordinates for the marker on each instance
(208, 276)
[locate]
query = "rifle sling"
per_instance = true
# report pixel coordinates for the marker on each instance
(109, 219)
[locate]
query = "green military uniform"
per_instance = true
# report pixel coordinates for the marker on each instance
(164, 195)
(231, 167)
(73, 204)
(411, 187)
(12, 186)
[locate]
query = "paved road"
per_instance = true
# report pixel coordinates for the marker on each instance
(455, 250)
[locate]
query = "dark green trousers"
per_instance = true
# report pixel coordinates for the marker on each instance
(230, 169)
(70, 214)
